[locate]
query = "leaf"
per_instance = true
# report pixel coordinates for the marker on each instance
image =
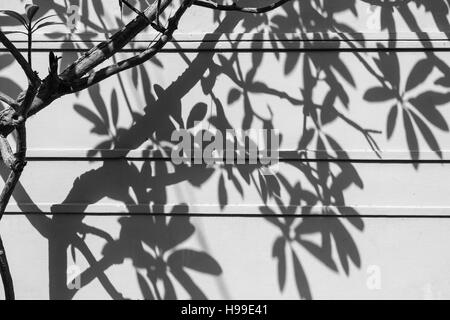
(427, 103)
(306, 138)
(91, 153)
(47, 24)
(444, 81)
(158, 90)
(336, 147)
(145, 288)
(7, 85)
(101, 147)
(392, 119)
(352, 216)
(178, 230)
(186, 281)
(223, 196)
(345, 245)
(300, 279)
(157, 62)
(257, 54)
(15, 16)
(322, 253)
(411, 137)
(114, 107)
(236, 183)
(43, 19)
(321, 149)
(69, 55)
(348, 176)
(135, 77)
(56, 35)
(31, 10)
(390, 67)
(104, 147)
(182, 208)
(234, 95)
(98, 7)
(198, 113)
(419, 74)
(291, 62)
(273, 185)
(5, 60)
(227, 65)
(15, 32)
(279, 252)
(269, 216)
(342, 69)
(195, 260)
(328, 113)
(428, 135)
(379, 94)
(387, 19)
(263, 186)
(99, 103)
(146, 83)
(99, 126)
(169, 290)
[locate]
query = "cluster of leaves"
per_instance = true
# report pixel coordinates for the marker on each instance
(27, 20)
(247, 83)
(328, 200)
(419, 108)
(105, 123)
(153, 245)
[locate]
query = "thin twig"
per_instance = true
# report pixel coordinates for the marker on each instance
(234, 7)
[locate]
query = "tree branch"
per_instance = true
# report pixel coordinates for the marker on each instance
(234, 7)
(6, 152)
(5, 273)
(8, 100)
(51, 90)
(107, 49)
(27, 102)
(16, 164)
(144, 56)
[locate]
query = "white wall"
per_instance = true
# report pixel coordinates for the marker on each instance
(97, 194)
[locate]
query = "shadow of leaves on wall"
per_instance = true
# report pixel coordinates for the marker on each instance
(310, 216)
(152, 245)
